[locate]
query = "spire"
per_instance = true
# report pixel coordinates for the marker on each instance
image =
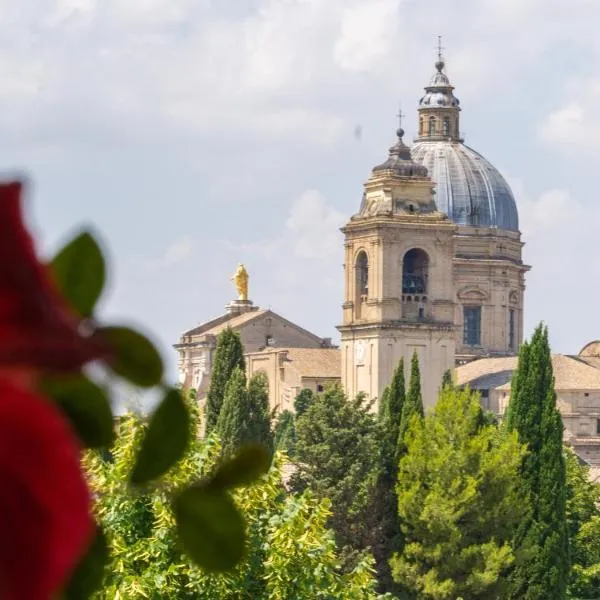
(439, 107)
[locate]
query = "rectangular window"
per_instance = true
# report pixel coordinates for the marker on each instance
(472, 325)
(511, 329)
(597, 426)
(269, 340)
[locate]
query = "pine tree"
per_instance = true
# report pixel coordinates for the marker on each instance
(232, 423)
(258, 422)
(337, 453)
(541, 542)
(413, 405)
(458, 503)
(388, 539)
(229, 354)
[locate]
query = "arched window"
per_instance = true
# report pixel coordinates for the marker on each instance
(446, 127)
(415, 270)
(431, 125)
(362, 274)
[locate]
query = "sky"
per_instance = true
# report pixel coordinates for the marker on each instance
(192, 135)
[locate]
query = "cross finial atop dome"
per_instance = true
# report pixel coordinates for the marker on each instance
(439, 65)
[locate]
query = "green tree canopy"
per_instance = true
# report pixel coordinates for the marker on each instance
(583, 521)
(387, 536)
(258, 423)
(229, 355)
(303, 400)
(291, 553)
(447, 380)
(284, 433)
(542, 569)
(457, 493)
(337, 455)
(233, 420)
(413, 404)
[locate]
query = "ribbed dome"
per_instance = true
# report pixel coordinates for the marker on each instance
(469, 189)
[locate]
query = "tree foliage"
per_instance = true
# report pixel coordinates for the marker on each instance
(303, 400)
(290, 552)
(583, 522)
(284, 433)
(457, 493)
(229, 355)
(232, 421)
(447, 380)
(413, 404)
(258, 424)
(337, 457)
(542, 568)
(244, 417)
(387, 537)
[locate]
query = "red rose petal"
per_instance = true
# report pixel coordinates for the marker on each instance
(45, 521)
(37, 329)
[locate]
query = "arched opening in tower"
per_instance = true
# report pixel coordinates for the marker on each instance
(362, 281)
(415, 271)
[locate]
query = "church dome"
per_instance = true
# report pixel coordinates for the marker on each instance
(469, 189)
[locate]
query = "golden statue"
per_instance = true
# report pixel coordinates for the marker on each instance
(240, 279)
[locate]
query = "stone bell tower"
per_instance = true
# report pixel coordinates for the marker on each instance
(399, 294)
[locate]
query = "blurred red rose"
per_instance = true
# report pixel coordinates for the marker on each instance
(37, 329)
(45, 521)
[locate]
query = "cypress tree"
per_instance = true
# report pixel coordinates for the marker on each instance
(229, 355)
(388, 539)
(541, 541)
(413, 405)
(447, 380)
(258, 421)
(303, 401)
(232, 422)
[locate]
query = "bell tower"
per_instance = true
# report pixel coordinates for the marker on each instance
(399, 294)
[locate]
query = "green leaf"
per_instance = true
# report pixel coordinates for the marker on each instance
(134, 356)
(252, 461)
(89, 573)
(79, 272)
(166, 439)
(85, 405)
(210, 527)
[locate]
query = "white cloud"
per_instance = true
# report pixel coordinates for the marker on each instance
(575, 124)
(178, 252)
(314, 226)
(560, 235)
(367, 34)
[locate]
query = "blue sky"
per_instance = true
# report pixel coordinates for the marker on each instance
(195, 134)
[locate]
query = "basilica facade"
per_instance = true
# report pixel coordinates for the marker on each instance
(433, 261)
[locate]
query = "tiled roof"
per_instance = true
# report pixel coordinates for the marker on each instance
(215, 326)
(570, 372)
(591, 349)
(316, 362)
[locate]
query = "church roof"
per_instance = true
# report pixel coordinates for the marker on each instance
(321, 363)
(469, 189)
(216, 326)
(570, 373)
(318, 363)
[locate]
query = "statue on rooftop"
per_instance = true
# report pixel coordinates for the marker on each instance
(240, 279)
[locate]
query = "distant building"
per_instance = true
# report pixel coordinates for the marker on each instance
(259, 329)
(577, 384)
(433, 259)
(289, 370)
